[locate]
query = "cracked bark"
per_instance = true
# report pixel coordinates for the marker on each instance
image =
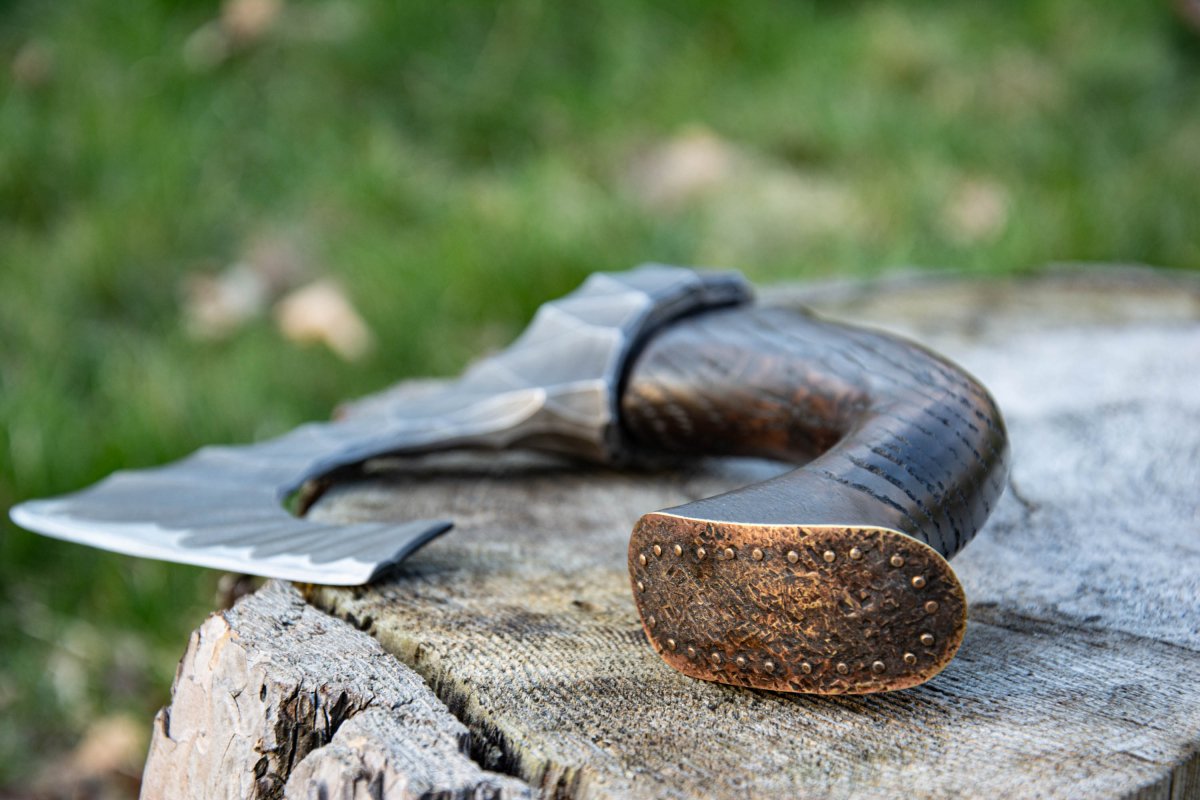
(1076, 677)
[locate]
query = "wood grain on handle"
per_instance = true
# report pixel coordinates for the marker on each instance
(830, 578)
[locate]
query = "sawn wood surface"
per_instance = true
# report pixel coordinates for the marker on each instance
(1079, 675)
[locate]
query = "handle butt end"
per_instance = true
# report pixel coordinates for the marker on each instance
(820, 609)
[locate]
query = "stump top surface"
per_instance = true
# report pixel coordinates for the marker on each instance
(1077, 675)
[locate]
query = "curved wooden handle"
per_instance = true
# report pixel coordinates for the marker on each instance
(833, 577)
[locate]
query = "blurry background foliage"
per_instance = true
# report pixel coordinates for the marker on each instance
(191, 192)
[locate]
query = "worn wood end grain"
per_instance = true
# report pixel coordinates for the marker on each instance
(276, 699)
(1077, 675)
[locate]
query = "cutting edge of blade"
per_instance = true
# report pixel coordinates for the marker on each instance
(150, 540)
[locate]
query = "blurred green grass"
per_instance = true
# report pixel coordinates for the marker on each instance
(452, 165)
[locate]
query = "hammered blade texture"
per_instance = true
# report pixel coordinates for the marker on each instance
(554, 389)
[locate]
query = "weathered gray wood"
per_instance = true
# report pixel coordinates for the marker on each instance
(274, 698)
(1078, 674)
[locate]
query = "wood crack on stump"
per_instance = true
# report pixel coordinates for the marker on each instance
(491, 746)
(275, 699)
(486, 744)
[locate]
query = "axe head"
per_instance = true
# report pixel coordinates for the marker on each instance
(554, 389)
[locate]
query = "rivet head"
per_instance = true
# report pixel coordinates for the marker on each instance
(656, 550)
(896, 561)
(741, 661)
(756, 554)
(877, 667)
(927, 639)
(642, 559)
(855, 553)
(793, 556)
(715, 658)
(910, 659)
(692, 653)
(931, 607)
(729, 553)
(651, 622)
(641, 586)
(769, 666)
(670, 644)
(829, 556)
(918, 581)
(678, 550)
(842, 668)
(806, 668)
(701, 553)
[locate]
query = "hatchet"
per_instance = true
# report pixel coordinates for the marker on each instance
(831, 578)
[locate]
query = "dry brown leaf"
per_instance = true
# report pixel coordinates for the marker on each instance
(976, 211)
(247, 21)
(750, 207)
(217, 305)
(1189, 13)
(107, 762)
(115, 743)
(683, 169)
(321, 313)
(33, 65)
(242, 24)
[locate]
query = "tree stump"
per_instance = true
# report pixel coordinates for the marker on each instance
(507, 660)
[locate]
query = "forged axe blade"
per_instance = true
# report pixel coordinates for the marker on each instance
(222, 508)
(554, 389)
